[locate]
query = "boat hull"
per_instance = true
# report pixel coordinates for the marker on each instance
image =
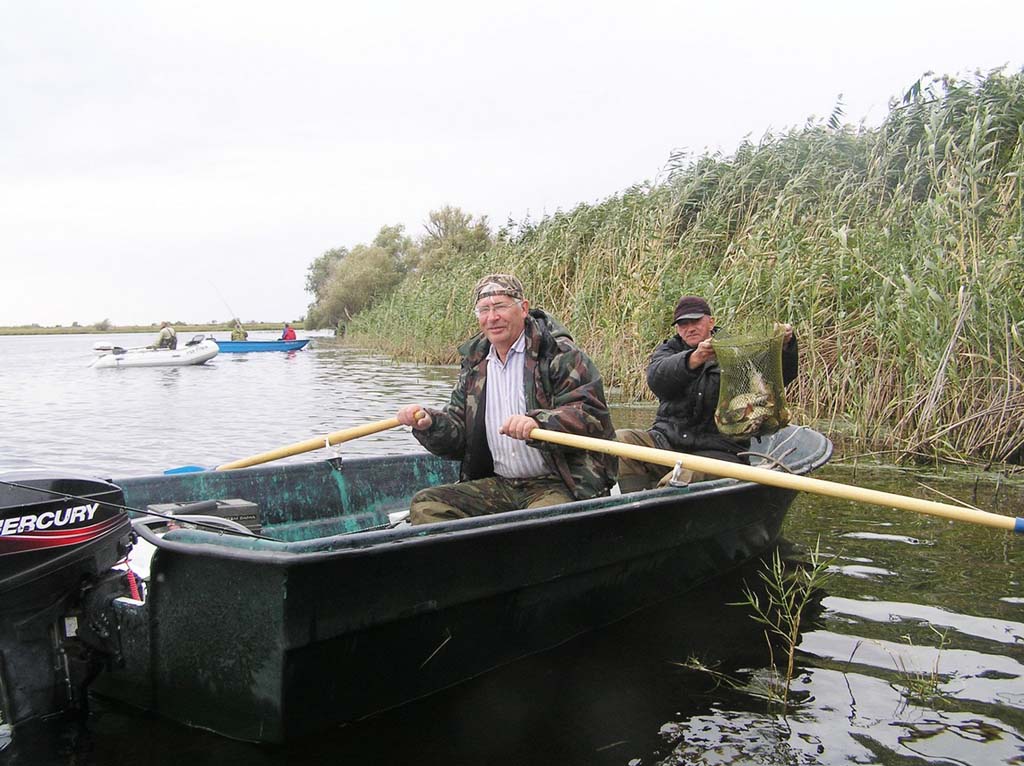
(269, 641)
(197, 353)
(245, 346)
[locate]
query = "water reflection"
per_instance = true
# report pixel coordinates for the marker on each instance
(918, 656)
(882, 537)
(854, 719)
(168, 376)
(860, 570)
(988, 628)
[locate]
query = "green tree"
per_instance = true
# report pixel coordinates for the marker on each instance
(397, 244)
(321, 272)
(344, 281)
(452, 235)
(366, 274)
(319, 276)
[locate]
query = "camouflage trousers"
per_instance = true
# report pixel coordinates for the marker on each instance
(483, 496)
(635, 475)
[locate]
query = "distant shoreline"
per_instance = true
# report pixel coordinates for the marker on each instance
(155, 327)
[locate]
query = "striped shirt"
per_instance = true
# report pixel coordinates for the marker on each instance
(505, 397)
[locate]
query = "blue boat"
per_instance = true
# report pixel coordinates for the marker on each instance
(242, 346)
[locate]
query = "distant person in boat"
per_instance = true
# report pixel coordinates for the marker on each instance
(289, 332)
(238, 332)
(684, 374)
(166, 338)
(534, 376)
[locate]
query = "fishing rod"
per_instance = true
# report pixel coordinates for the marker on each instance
(234, 316)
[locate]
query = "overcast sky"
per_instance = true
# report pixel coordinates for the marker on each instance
(168, 160)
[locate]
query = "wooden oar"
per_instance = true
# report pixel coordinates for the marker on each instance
(779, 479)
(319, 442)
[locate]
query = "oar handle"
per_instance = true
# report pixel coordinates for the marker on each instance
(319, 442)
(779, 479)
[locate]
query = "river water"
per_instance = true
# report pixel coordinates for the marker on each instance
(911, 651)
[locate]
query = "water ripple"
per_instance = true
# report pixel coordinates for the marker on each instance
(855, 718)
(877, 536)
(861, 571)
(1002, 631)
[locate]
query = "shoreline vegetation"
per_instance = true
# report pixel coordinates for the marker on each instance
(105, 328)
(897, 252)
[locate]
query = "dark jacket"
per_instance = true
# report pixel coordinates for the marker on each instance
(685, 420)
(564, 392)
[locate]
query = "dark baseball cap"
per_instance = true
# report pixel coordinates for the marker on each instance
(691, 307)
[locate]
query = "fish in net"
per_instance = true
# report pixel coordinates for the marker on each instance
(752, 396)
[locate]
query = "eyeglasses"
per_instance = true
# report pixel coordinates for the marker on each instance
(498, 308)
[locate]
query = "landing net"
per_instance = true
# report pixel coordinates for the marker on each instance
(752, 397)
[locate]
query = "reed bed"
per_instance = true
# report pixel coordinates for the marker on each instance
(896, 252)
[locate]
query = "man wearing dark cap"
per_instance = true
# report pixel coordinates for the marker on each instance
(520, 372)
(684, 374)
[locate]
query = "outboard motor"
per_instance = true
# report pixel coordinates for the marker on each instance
(59, 539)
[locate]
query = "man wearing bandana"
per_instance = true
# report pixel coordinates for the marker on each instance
(520, 372)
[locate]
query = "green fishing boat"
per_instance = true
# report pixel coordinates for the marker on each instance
(309, 604)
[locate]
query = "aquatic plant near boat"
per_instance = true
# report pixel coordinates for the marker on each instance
(788, 592)
(922, 687)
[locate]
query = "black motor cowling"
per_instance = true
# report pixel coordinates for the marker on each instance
(59, 539)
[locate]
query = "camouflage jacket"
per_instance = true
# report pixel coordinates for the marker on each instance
(564, 392)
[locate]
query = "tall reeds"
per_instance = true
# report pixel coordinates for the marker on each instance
(896, 252)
